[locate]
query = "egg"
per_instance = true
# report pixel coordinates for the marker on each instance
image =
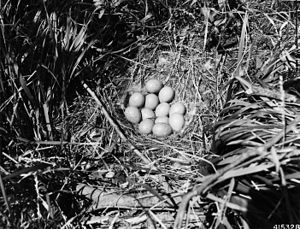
(177, 107)
(133, 114)
(137, 99)
(176, 121)
(145, 126)
(151, 101)
(153, 85)
(161, 129)
(166, 94)
(147, 113)
(162, 119)
(162, 109)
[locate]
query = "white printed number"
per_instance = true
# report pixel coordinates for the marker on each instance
(286, 226)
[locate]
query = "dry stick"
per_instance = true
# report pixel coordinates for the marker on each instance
(115, 125)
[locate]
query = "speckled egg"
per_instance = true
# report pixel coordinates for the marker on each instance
(161, 130)
(137, 99)
(162, 109)
(151, 101)
(176, 121)
(153, 85)
(166, 94)
(133, 114)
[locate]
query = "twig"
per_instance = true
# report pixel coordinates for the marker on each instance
(115, 125)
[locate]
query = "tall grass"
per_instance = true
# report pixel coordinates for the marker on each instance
(47, 49)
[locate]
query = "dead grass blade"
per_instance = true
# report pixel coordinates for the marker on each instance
(206, 12)
(242, 44)
(246, 171)
(4, 194)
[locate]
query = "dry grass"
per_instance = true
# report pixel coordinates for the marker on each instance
(71, 160)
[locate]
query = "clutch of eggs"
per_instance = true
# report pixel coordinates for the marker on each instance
(154, 111)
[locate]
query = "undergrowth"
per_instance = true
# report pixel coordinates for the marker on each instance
(70, 159)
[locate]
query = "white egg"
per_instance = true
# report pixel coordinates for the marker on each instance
(145, 126)
(176, 121)
(147, 113)
(133, 114)
(161, 130)
(177, 107)
(153, 85)
(137, 99)
(166, 94)
(162, 109)
(151, 101)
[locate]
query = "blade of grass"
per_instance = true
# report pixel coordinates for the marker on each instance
(80, 57)
(247, 171)
(223, 208)
(205, 11)
(229, 204)
(4, 194)
(27, 91)
(242, 45)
